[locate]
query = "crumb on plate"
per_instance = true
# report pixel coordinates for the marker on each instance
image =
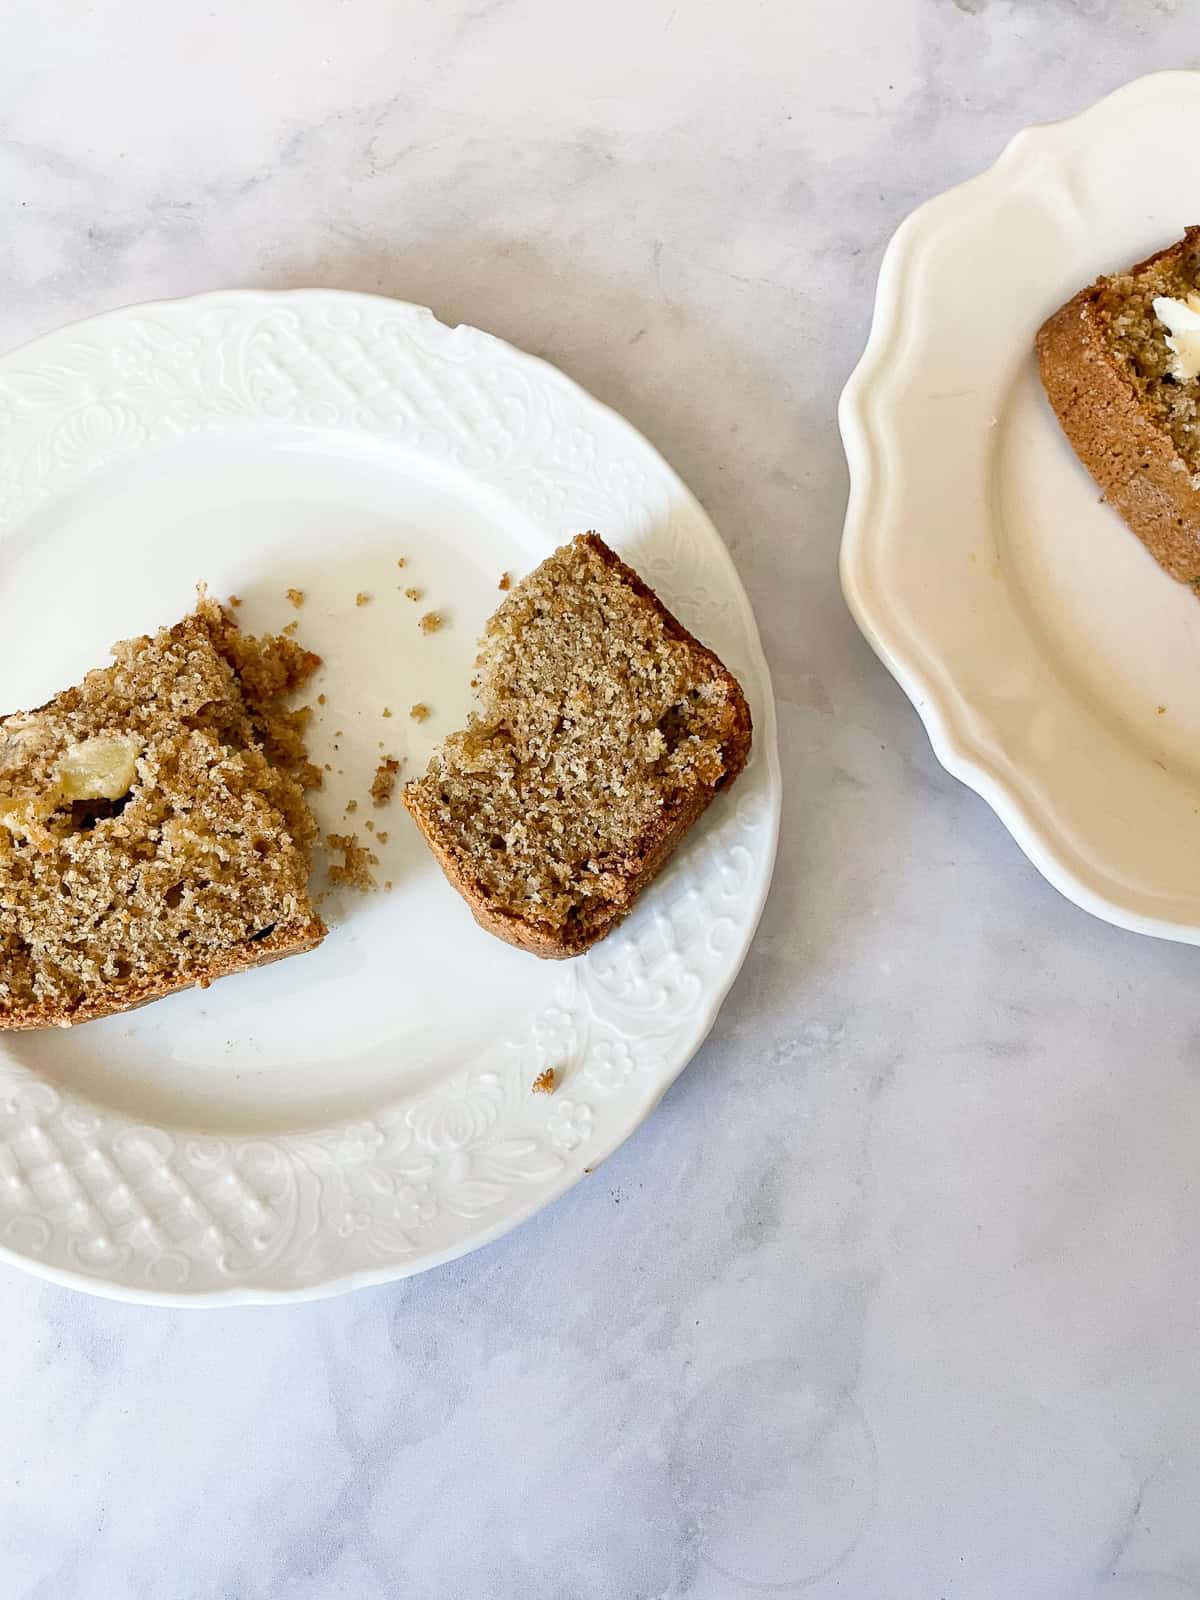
(546, 1081)
(414, 594)
(384, 785)
(361, 599)
(505, 581)
(419, 712)
(296, 596)
(431, 622)
(354, 869)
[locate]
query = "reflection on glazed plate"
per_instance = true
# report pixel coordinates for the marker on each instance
(1055, 666)
(362, 1112)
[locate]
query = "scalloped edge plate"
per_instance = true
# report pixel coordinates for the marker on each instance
(1028, 627)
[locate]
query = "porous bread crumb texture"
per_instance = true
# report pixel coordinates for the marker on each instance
(1124, 307)
(419, 712)
(431, 622)
(413, 594)
(192, 862)
(601, 723)
(383, 785)
(296, 596)
(353, 871)
(546, 1081)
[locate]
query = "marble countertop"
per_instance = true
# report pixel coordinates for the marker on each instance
(895, 1296)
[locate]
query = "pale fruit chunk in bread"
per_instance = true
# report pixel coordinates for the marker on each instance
(603, 730)
(1120, 364)
(153, 828)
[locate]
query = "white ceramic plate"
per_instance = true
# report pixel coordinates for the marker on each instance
(1056, 667)
(362, 1112)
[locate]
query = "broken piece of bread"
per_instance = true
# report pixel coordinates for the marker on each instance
(154, 833)
(604, 729)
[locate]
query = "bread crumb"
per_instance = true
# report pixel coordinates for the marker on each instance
(296, 596)
(1161, 709)
(387, 711)
(354, 869)
(235, 600)
(291, 627)
(351, 805)
(505, 581)
(361, 599)
(546, 1082)
(328, 768)
(384, 785)
(402, 562)
(369, 825)
(388, 886)
(419, 712)
(320, 699)
(382, 836)
(414, 594)
(431, 622)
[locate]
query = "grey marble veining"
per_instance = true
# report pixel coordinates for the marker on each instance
(895, 1296)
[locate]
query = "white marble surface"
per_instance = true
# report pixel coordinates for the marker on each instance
(896, 1295)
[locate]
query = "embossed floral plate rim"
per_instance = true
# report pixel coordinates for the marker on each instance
(99, 1201)
(925, 537)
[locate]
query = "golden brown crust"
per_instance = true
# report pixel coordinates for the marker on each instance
(132, 996)
(1131, 457)
(229, 676)
(650, 853)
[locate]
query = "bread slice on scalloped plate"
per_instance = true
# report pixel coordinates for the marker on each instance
(1120, 363)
